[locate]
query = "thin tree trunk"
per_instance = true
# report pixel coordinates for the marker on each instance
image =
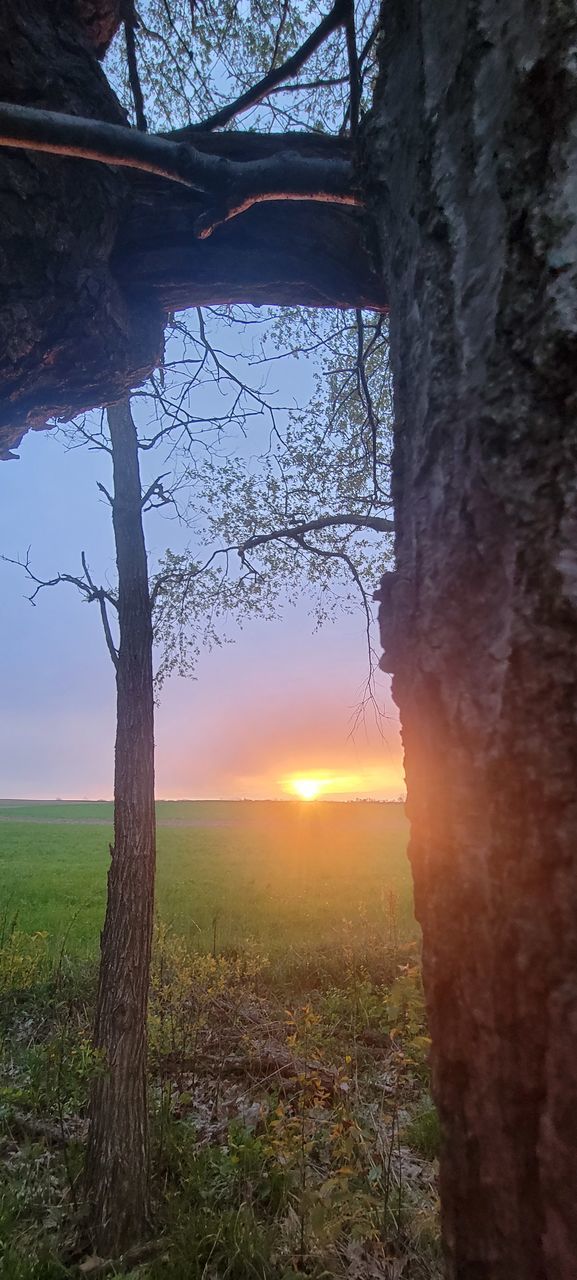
(473, 154)
(117, 1164)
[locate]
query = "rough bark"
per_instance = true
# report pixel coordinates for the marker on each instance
(68, 332)
(92, 258)
(286, 254)
(117, 1160)
(472, 157)
(98, 20)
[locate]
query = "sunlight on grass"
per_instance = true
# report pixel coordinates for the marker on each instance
(292, 1129)
(290, 876)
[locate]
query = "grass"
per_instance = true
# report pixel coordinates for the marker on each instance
(287, 875)
(292, 1130)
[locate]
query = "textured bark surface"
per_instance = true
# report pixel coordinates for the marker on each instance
(98, 19)
(289, 253)
(117, 1158)
(91, 258)
(69, 336)
(473, 161)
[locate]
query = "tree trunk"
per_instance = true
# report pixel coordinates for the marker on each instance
(69, 334)
(472, 157)
(117, 1163)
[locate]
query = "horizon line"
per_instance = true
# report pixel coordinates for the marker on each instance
(353, 799)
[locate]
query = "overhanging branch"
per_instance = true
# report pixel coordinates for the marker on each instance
(227, 187)
(282, 252)
(76, 136)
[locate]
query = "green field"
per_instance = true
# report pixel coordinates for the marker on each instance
(289, 875)
(292, 1132)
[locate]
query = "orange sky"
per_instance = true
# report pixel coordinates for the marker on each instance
(264, 713)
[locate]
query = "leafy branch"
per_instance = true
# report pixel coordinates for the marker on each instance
(378, 524)
(339, 16)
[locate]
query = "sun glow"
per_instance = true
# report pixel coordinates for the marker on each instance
(310, 786)
(306, 788)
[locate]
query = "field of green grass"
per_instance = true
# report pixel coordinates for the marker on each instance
(287, 875)
(292, 1132)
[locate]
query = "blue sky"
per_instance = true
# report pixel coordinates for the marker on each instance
(278, 701)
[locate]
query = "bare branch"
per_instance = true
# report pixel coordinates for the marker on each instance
(113, 651)
(354, 69)
(102, 596)
(231, 186)
(130, 26)
(379, 524)
(156, 490)
(280, 29)
(40, 583)
(86, 586)
(337, 17)
(104, 490)
(365, 394)
(321, 83)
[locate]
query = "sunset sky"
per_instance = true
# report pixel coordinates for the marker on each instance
(276, 705)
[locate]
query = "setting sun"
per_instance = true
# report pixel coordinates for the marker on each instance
(306, 788)
(309, 786)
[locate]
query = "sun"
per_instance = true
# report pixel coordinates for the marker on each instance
(306, 788)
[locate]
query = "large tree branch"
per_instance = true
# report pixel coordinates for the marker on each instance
(134, 241)
(290, 533)
(230, 186)
(284, 253)
(94, 255)
(76, 136)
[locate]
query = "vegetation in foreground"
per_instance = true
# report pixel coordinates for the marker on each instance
(292, 1130)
